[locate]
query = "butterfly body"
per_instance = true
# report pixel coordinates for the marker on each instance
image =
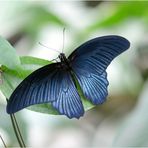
(64, 62)
(55, 84)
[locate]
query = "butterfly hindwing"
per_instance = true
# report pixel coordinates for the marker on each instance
(68, 101)
(93, 86)
(49, 84)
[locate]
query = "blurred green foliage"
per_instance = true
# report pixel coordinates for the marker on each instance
(41, 17)
(124, 11)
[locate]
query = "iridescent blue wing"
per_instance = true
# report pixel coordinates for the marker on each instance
(89, 62)
(46, 85)
(94, 86)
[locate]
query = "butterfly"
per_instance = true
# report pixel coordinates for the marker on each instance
(54, 83)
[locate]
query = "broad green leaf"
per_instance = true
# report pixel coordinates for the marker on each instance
(11, 78)
(8, 56)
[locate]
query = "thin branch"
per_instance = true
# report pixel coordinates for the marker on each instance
(18, 129)
(3, 142)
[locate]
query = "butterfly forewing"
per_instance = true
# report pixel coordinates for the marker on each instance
(49, 84)
(97, 53)
(34, 89)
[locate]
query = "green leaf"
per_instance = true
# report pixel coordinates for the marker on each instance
(8, 56)
(11, 79)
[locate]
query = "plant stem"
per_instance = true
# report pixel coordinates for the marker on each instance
(3, 142)
(17, 131)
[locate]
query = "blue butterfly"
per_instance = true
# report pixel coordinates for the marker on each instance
(54, 83)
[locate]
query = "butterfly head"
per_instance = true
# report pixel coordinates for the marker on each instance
(65, 64)
(62, 57)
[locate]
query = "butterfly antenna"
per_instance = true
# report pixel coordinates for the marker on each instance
(49, 48)
(63, 39)
(54, 59)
